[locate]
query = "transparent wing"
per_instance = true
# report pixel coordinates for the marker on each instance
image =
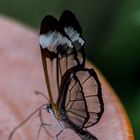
(81, 97)
(72, 101)
(58, 54)
(93, 95)
(72, 28)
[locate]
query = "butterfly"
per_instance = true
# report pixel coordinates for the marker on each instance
(74, 91)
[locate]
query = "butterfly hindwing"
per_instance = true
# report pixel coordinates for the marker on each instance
(92, 93)
(81, 98)
(72, 101)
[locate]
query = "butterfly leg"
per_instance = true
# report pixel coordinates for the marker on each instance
(43, 125)
(58, 134)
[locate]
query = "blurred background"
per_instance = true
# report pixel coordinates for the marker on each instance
(112, 32)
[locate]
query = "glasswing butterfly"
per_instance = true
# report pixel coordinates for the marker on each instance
(74, 91)
(75, 95)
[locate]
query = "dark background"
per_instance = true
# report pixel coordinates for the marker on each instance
(112, 32)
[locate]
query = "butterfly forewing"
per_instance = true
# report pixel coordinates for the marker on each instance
(50, 70)
(58, 53)
(72, 28)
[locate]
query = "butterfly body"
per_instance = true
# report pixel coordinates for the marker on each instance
(85, 135)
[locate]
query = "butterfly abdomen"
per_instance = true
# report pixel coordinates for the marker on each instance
(85, 135)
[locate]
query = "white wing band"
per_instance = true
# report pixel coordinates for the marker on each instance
(74, 35)
(53, 39)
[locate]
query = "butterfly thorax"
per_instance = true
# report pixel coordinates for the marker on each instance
(52, 109)
(58, 115)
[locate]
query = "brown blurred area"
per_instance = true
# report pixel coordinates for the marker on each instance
(21, 74)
